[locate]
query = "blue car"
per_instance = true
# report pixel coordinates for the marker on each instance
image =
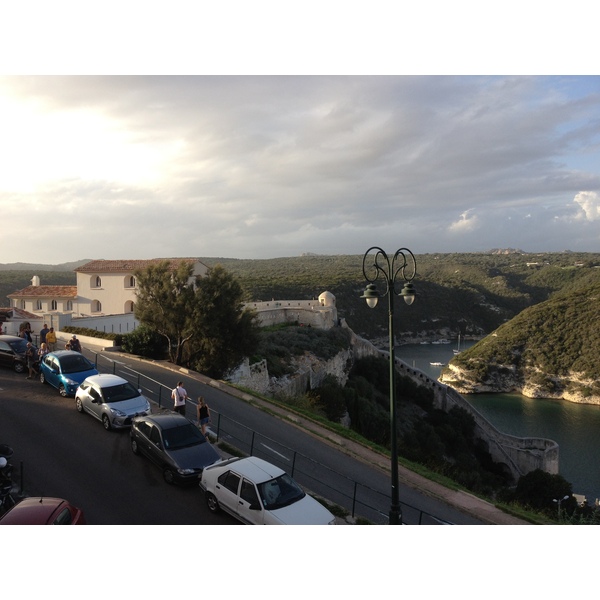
(66, 370)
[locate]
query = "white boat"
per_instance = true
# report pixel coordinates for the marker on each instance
(457, 349)
(437, 364)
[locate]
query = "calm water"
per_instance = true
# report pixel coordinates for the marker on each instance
(575, 427)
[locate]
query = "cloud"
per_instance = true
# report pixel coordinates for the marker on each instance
(465, 224)
(590, 204)
(258, 167)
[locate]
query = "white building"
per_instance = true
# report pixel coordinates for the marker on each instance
(105, 288)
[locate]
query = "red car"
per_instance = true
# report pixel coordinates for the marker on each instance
(43, 511)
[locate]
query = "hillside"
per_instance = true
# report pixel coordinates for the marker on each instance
(547, 351)
(470, 294)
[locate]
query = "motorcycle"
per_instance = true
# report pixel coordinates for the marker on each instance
(6, 482)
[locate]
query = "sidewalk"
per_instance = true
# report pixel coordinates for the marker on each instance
(463, 501)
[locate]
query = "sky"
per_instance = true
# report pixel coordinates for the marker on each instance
(263, 162)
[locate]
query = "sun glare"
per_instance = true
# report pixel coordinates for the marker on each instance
(38, 147)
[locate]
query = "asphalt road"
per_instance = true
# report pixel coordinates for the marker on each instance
(318, 466)
(70, 455)
(67, 454)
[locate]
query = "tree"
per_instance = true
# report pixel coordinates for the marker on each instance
(225, 332)
(166, 302)
(539, 490)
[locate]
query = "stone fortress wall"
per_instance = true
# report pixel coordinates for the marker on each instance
(518, 455)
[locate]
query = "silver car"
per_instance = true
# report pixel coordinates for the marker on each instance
(112, 400)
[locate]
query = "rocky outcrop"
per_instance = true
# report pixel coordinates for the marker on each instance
(531, 383)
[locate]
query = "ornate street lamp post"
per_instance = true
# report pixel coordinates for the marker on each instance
(403, 267)
(559, 501)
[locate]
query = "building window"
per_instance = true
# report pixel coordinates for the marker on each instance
(130, 281)
(96, 306)
(38, 305)
(23, 304)
(129, 306)
(69, 305)
(54, 305)
(97, 282)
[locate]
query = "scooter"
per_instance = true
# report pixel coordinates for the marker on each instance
(6, 482)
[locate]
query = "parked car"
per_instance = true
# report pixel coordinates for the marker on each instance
(174, 444)
(12, 352)
(259, 493)
(43, 511)
(66, 370)
(111, 399)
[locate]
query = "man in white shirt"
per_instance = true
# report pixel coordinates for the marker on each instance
(179, 396)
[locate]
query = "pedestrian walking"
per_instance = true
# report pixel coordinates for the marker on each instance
(75, 345)
(31, 355)
(42, 351)
(51, 339)
(179, 396)
(203, 415)
(43, 333)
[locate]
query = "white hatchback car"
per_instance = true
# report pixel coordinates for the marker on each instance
(112, 400)
(259, 493)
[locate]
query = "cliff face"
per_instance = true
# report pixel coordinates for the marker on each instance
(531, 382)
(549, 350)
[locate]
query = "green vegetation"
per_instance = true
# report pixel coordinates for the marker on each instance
(117, 338)
(471, 294)
(547, 345)
(280, 344)
(205, 326)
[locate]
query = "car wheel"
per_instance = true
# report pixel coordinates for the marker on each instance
(19, 367)
(168, 475)
(212, 502)
(42, 377)
(78, 405)
(62, 390)
(134, 447)
(106, 422)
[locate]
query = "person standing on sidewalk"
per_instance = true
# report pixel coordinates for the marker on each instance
(31, 355)
(51, 339)
(203, 415)
(179, 396)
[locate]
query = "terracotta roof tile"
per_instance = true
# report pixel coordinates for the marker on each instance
(36, 291)
(19, 313)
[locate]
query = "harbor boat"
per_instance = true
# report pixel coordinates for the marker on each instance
(437, 364)
(457, 349)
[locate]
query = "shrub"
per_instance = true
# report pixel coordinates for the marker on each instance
(117, 338)
(144, 341)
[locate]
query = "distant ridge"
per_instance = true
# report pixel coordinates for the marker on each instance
(19, 266)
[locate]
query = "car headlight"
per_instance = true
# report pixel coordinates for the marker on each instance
(117, 413)
(185, 471)
(70, 381)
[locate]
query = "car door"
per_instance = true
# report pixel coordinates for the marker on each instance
(227, 491)
(93, 401)
(249, 508)
(52, 371)
(154, 449)
(7, 357)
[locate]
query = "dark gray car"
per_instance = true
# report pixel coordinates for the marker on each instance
(174, 444)
(12, 352)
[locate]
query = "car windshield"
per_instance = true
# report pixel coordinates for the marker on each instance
(182, 437)
(75, 364)
(19, 346)
(280, 492)
(119, 393)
